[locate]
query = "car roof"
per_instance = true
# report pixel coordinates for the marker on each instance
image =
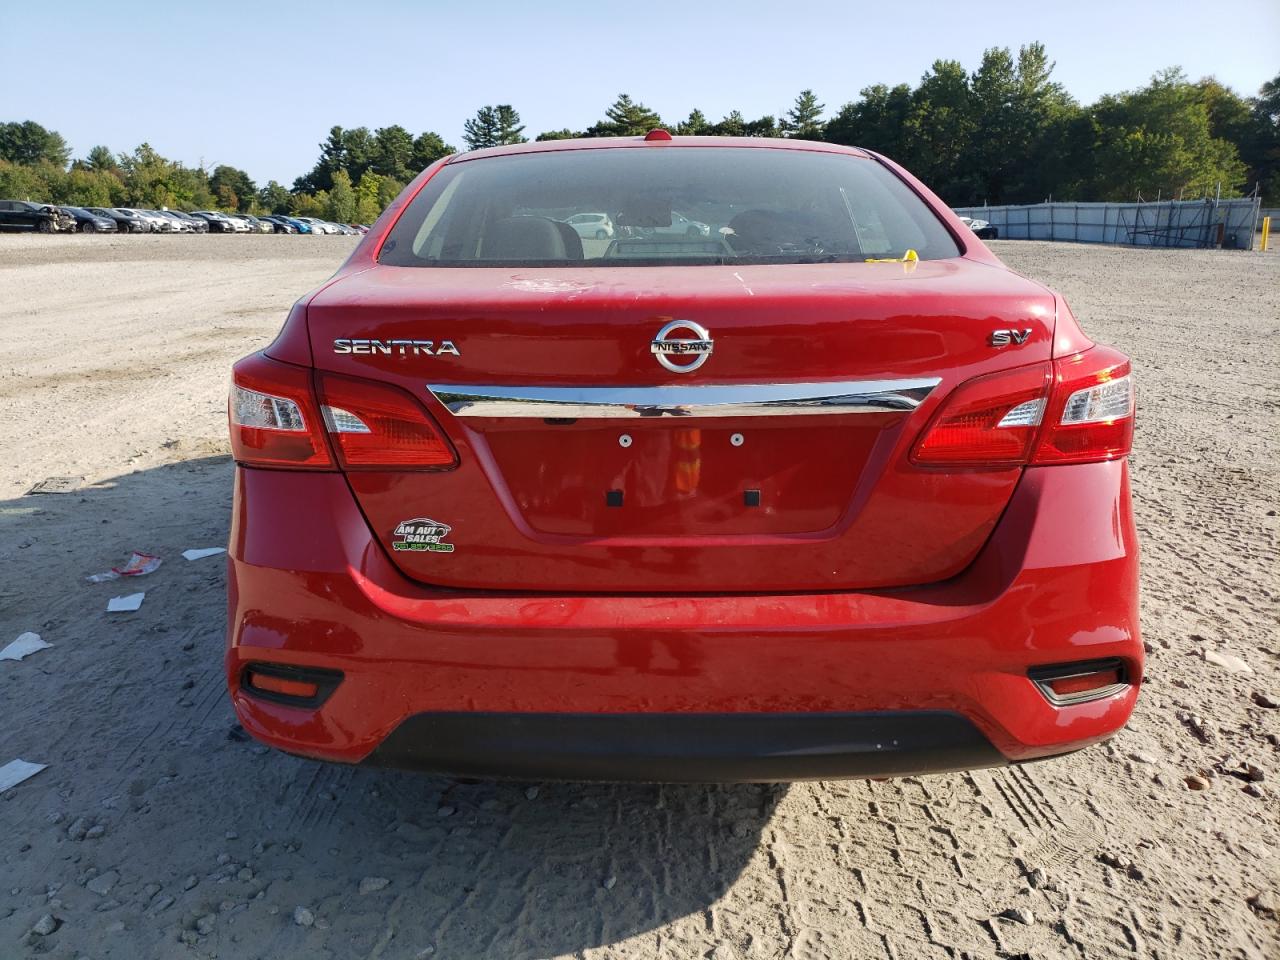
(601, 143)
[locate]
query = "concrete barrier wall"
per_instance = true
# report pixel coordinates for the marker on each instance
(1176, 223)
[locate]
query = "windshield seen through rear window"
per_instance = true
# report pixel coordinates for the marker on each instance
(664, 206)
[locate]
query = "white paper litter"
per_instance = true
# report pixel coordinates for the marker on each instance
(15, 771)
(139, 565)
(203, 552)
(27, 643)
(125, 604)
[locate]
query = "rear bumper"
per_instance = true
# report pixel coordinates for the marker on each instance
(719, 687)
(687, 747)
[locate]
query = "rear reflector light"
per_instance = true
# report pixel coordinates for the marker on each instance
(1075, 410)
(375, 426)
(290, 685)
(1080, 682)
(290, 688)
(273, 416)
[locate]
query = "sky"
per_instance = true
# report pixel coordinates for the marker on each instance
(258, 84)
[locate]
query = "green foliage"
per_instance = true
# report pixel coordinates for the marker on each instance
(562, 134)
(625, 118)
(341, 207)
(274, 198)
(494, 127)
(28, 143)
(368, 198)
(804, 120)
(1157, 141)
(234, 190)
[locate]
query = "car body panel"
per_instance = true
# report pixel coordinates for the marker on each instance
(325, 595)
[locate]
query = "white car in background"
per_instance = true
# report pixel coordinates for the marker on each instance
(318, 226)
(155, 222)
(238, 225)
(591, 226)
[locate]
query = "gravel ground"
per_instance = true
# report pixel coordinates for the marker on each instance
(158, 831)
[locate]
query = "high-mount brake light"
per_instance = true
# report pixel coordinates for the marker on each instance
(273, 416)
(375, 426)
(1075, 410)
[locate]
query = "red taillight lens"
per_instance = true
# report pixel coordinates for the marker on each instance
(273, 416)
(1076, 410)
(373, 425)
(991, 420)
(1090, 416)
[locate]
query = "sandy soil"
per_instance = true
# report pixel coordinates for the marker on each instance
(157, 831)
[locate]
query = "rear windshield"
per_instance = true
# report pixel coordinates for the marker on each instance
(664, 206)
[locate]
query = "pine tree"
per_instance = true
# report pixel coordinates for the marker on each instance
(625, 118)
(482, 130)
(804, 120)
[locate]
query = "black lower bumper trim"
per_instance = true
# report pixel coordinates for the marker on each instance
(687, 748)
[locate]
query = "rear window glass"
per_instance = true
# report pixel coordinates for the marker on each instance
(664, 206)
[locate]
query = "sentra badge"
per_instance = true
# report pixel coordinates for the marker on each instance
(427, 348)
(422, 534)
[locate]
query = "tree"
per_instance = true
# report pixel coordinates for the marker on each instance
(625, 118)
(427, 149)
(804, 120)
(562, 134)
(368, 203)
(341, 207)
(392, 153)
(510, 129)
(28, 143)
(766, 126)
(940, 129)
(494, 126)
(233, 188)
(481, 131)
(877, 121)
(101, 159)
(697, 125)
(1157, 141)
(274, 198)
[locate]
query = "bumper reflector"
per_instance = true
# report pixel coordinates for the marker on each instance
(294, 686)
(1071, 683)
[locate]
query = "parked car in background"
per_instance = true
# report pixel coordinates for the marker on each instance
(798, 500)
(982, 228)
(36, 217)
(359, 228)
(125, 221)
(591, 226)
(89, 222)
(281, 224)
(239, 224)
(179, 224)
(220, 222)
(156, 223)
(197, 224)
(256, 224)
(316, 225)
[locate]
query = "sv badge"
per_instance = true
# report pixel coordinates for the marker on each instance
(1003, 338)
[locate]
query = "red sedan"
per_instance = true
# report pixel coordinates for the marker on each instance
(823, 491)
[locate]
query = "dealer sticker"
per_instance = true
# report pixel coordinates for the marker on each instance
(422, 534)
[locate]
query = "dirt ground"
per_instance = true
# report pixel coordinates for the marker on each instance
(157, 831)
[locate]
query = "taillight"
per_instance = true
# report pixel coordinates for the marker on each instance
(373, 425)
(1090, 416)
(1071, 683)
(990, 420)
(274, 419)
(1075, 410)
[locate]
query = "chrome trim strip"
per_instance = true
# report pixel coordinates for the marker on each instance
(706, 400)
